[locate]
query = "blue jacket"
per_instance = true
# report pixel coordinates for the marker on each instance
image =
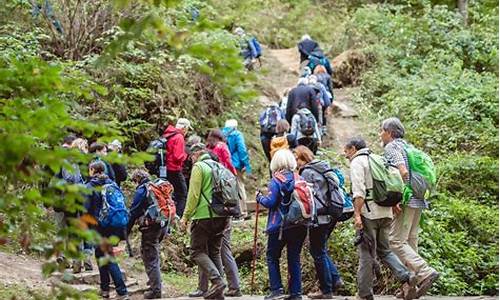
(236, 145)
(93, 203)
(139, 204)
(247, 48)
(274, 200)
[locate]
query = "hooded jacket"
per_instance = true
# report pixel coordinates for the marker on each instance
(139, 204)
(302, 96)
(274, 200)
(93, 203)
(236, 145)
(306, 47)
(176, 154)
(295, 130)
(223, 155)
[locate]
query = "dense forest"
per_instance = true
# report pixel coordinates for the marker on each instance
(124, 69)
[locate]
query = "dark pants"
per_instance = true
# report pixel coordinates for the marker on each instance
(323, 112)
(326, 270)
(310, 143)
(265, 140)
(110, 268)
(176, 178)
(150, 252)
(206, 239)
(293, 239)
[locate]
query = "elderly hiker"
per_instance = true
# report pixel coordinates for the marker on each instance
(306, 46)
(306, 130)
(302, 96)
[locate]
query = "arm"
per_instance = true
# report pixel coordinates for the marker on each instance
(394, 156)
(251, 46)
(194, 193)
(137, 209)
(178, 145)
(358, 190)
(225, 156)
(73, 176)
(289, 108)
(317, 132)
(272, 198)
(295, 126)
(243, 153)
(313, 104)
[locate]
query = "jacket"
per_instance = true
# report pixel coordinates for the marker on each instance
(326, 80)
(109, 169)
(274, 200)
(302, 96)
(248, 50)
(295, 130)
(176, 154)
(200, 192)
(322, 94)
(236, 145)
(120, 172)
(139, 204)
(306, 47)
(223, 155)
(93, 201)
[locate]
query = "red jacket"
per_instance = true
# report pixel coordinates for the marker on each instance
(176, 154)
(222, 152)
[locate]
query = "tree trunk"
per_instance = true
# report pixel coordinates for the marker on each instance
(462, 8)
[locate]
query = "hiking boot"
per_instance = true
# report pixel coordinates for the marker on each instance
(104, 294)
(400, 294)
(338, 285)
(275, 295)
(122, 297)
(196, 294)
(320, 295)
(216, 289)
(409, 288)
(296, 297)
(233, 293)
(152, 295)
(426, 284)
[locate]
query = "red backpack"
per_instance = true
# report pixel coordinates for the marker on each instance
(161, 206)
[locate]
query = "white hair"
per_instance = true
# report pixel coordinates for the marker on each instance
(302, 80)
(283, 160)
(305, 37)
(312, 79)
(232, 123)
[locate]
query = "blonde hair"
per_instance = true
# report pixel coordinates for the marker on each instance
(319, 69)
(283, 160)
(282, 126)
(81, 144)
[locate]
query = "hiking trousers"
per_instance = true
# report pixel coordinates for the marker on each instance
(229, 263)
(176, 178)
(242, 192)
(404, 241)
(206, 239)
(265, 140)
(150, 252)
(378, 231)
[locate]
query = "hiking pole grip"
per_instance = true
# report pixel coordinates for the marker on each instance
(254, 261)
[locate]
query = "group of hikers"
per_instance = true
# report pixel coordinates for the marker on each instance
(199, 182)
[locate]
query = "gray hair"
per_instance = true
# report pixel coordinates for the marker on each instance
(283, 160)
(302, 80)
(394, 127)
(357, 142)
(305, 37)
(139, 175)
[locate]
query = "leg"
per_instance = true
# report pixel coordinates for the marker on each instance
(230, 266)
(294, 240)
(415, 227)
(266, 146)
(176, 178)
(273, 255)
(317, 241)
(103, 270)
(386, 255)
(366, 260)
(215, 242)
(243, 194)
(150, 252)
(200, 235)
(202, 280)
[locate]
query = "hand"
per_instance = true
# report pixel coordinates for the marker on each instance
(397, 209)
(183, 224)
(358, 223)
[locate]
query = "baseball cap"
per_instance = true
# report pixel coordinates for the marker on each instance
(183, 123)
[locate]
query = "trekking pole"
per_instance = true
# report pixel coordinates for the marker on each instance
(254, 261)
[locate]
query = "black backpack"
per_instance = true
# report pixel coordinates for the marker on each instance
(158, 147)
(307, 124)
(334, 196)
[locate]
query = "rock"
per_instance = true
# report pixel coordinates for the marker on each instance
(349, 66)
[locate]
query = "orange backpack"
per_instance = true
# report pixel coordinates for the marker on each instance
(278, 143)
(161, 206)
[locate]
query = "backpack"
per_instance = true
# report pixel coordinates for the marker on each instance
(388, 186)
(334, 196)
(348, 207)
(278, 143)
(423, 176)
(269, 118)
(257, 46)
(161, 207)
(159, 148)
(307, 124)
(113, 213)
(225, 193)
(301, 207)
(315, 60)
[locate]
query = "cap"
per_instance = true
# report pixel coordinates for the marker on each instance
(232, 123)
(183, 123)
(116, 143)
(197, 147)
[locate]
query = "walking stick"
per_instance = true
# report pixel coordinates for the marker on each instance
(254, 261)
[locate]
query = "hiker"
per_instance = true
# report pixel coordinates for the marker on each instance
(283, 138)
(217, 145)
(268, 120)
(94, 206)
(284, 101)
(188, 165)
(305, 129)
(329, 207)
(283, 165)
(175, 157)
(323, 99)
(250, 48)
(373, 223)
(100, 150)
(302, 96)
(405, 225)
(324, 78)
(207, 227)
(240, 159)
(318, 58)
(152, 233)
(306, 45)
(120, 170)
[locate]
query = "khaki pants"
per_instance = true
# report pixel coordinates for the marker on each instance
(243, 194)
(404, 241)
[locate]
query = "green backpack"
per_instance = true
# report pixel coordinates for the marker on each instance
(388, 186)
(423, 176)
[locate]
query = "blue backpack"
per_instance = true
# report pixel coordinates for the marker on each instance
(317, 60)
(113, 213)
(257, 46)
(269, 118)
(348, 210)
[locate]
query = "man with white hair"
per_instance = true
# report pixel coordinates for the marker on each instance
(120, 170)
(306, 46)
(239, 158)
(302, 96)
(175, 157)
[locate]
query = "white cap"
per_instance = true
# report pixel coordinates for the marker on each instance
(232, 123)
(183, 123)
(116, 144)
